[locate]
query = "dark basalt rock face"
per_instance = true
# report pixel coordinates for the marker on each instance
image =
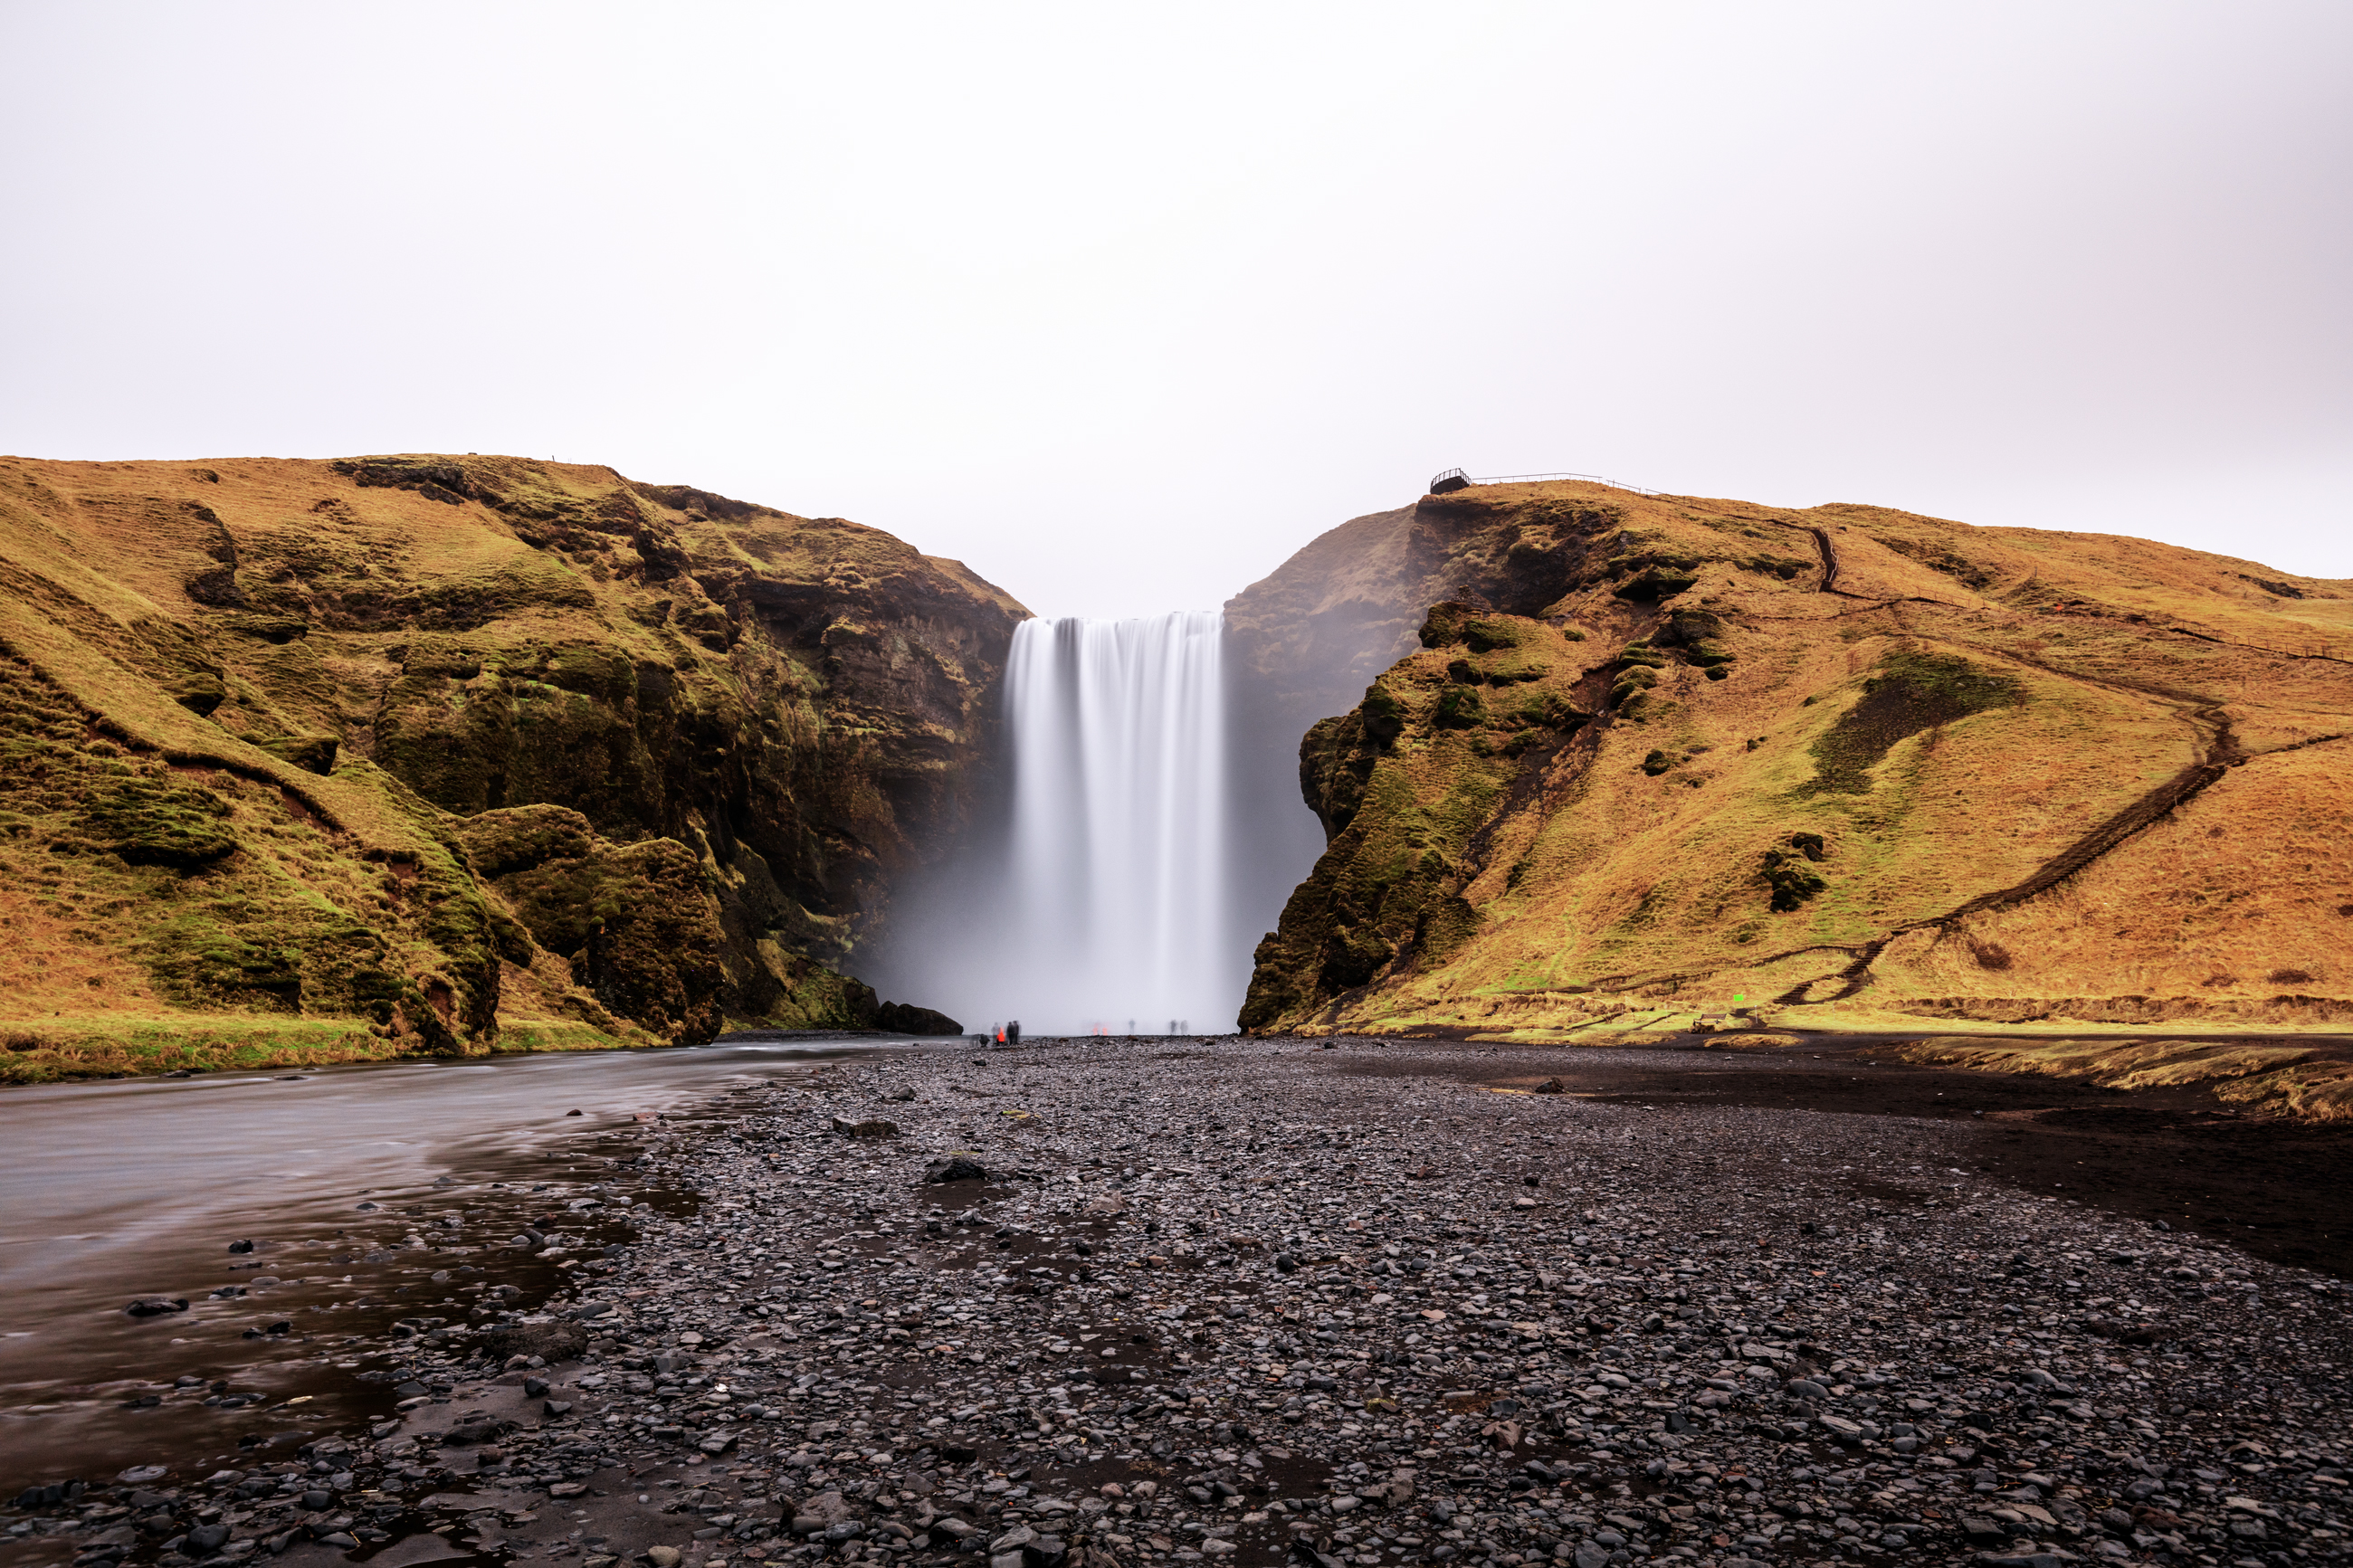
(401, 736)
(641, 931)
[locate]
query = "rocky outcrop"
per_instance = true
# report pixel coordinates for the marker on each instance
(639, 928)
(1835, 765)
(1305, 642)
(270, 716)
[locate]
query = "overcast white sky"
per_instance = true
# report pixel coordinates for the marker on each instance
(1121, 304)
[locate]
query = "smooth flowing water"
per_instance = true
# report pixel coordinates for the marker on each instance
(136, 1187)
(1105, 906)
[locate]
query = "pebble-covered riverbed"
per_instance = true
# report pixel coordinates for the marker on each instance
(1259, 1300)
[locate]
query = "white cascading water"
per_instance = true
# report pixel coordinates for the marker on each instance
(1117, 908)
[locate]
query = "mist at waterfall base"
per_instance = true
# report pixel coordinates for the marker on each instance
(1102, 891)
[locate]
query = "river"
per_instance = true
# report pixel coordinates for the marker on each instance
(120, 1189)
(376, 1193)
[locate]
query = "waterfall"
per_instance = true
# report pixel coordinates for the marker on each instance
(1102, 897)
(1116, 900)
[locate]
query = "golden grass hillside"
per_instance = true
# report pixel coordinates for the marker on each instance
(322, 759)
(1663, 755)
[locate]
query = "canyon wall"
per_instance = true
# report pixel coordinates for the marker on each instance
(1837, 766)
(444, 752)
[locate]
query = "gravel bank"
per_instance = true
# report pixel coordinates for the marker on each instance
(1251, 1300)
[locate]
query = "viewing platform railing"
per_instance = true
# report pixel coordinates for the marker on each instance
(1454, 479)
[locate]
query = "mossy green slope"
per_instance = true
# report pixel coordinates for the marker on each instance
(1836, 760)
(257, 710)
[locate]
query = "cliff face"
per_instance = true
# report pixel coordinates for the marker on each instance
(1304, 642)
(464, 750)
(1843, 764)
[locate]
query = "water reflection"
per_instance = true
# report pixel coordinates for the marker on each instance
(369, 1192)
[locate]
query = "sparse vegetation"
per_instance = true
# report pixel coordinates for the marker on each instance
(1959, 755)
(1787, 873)
(1912, 691)
(1458, 707)
(242, 809)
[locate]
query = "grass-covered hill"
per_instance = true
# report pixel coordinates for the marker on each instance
(1654, 754)
(306, 759)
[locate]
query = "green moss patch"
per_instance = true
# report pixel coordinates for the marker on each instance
(151, 821)
(1655, 582)
(636, 921)
(121, 1047)
(1787, 872)
(1458, 707)
(1402, 784)
(1912, 691)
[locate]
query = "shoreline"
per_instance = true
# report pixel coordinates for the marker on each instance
(2296, 1076)
(88, 1052)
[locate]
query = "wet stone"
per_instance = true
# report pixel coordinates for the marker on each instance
(1270, 1303)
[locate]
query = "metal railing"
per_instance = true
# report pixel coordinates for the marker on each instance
(1453, 479)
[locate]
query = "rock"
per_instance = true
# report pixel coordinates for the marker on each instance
(156, 1306)
(955, 1169)
(848, 1129)
(140, 1475)
(1629, 1313)
(550, 1343)
(899, 1018)
(642, 926)
(535, 1387)
(662, 1556)
(1550, 1086)
(240, 1246)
